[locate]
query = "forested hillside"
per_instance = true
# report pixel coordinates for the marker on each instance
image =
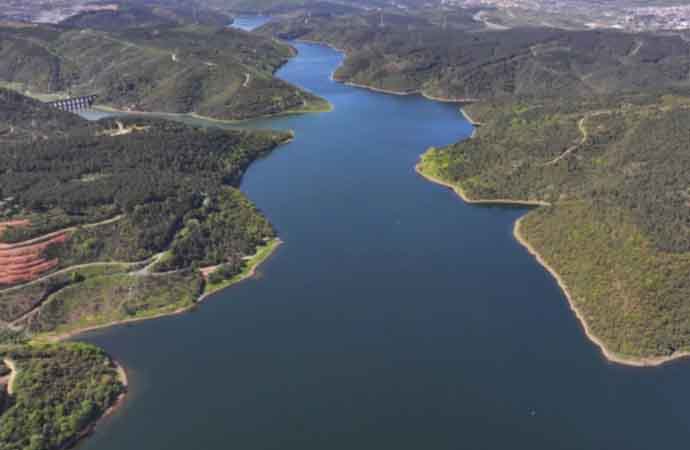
(106, 222)
(217, 72)
(25, 119)
(148, 13)
(407, 54)
(58, 392)
(593, 123)
(616, 173)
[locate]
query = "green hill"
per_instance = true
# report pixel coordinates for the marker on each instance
(136, 207)
(148, 13)
(409, 55)
(615, 171)
(124, 194)
(59, 391)
(220, 73)
(26, 119)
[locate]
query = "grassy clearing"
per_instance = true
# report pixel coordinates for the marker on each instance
(111, 299)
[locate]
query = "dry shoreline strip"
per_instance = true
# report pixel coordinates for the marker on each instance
(389, 91)
(637, 362)
(256, 261)
(463, 195)
(121, 371)
(250, 273)
(124, 380)
(13, 375)
(522, 240)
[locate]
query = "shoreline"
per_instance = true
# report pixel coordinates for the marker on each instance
(388, 91)
(522, 240)
(421, 92)
(192, 115)
(608, 354)
(463, 195)
(201, 298)
(13, 375)
(119, 401)
(120, 368)
(124, 380)
(253, 265)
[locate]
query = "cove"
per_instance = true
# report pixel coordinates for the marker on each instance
(394, 316)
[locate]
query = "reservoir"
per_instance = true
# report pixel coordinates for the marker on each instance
(394, 316)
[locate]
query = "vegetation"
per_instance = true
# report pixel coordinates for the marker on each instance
(142, 204)
(130, 210)
(633, 296)
(221, 73)
(227, 275)
(59, 391)
(24, 119)
(413, 54)
(615, 170)
(17, 302)
(148, 13)
(114, 298)
(222, 230)
(154, 175)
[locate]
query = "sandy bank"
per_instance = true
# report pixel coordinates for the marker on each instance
(121, 371)
(13, 375)
(124, 380)
(71, 334)
(606, 352)
(463, 195)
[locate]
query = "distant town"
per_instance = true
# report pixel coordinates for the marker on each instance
(610, 15)
(50, 11)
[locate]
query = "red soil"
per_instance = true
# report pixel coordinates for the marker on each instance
(25, 261)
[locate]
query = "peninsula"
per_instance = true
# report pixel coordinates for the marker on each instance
(109, 222)
(602, 229)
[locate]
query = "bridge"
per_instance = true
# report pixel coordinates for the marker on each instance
(74, 104)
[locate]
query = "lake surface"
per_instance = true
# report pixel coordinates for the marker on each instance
(394, 317)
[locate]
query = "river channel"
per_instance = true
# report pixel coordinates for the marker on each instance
(394, 316)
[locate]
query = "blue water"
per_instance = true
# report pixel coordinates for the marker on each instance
(394, 317)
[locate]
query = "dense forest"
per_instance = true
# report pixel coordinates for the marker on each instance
(148, 13)
(155, 174)
(412, 54)
(221, 72)
(615, 171)
(104, 222)
(59, 391)
(124, 193)
(593, 123)
(24, 119)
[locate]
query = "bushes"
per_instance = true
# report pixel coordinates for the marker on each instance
(416, 55)
(206, 75)
(619, 230)
(59, 391)
(155, 177)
